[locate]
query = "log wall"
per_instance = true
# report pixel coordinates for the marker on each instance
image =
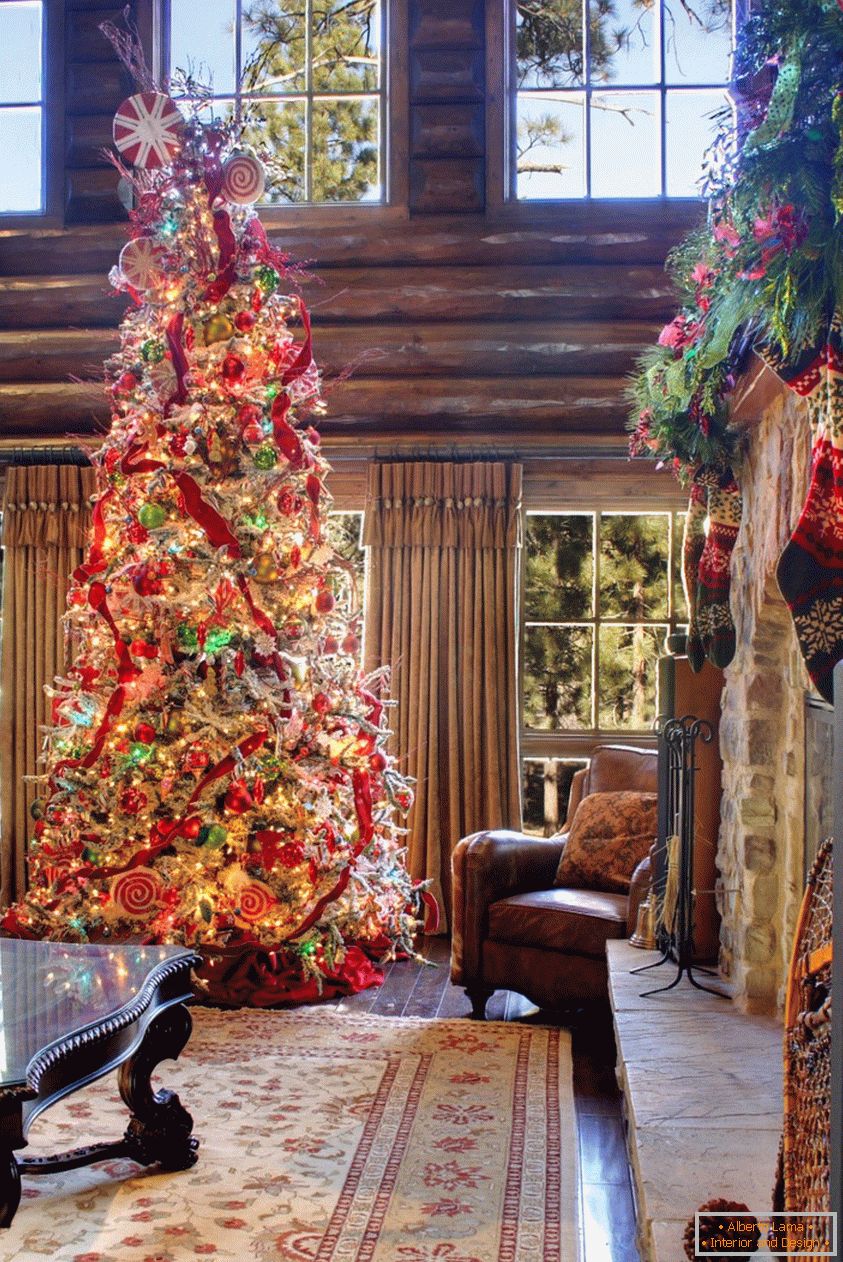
(474, 326)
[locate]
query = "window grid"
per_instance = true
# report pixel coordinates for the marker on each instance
(554, 740)
(587, 89)
(306, 97)
(9, 103)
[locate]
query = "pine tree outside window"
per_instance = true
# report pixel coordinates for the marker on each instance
(601, 595)
(308, 75)
(615, 98)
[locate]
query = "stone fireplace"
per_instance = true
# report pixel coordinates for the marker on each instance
(762, 731)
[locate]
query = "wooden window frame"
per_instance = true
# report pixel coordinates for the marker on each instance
(52, 135)
(396, 123)
(602, 214)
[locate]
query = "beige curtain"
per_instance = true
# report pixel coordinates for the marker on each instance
(45, 524)
(441, 602)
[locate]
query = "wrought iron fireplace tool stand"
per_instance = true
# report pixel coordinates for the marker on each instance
(679, 738)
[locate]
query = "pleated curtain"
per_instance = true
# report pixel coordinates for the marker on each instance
(45, 525)
(441, 612)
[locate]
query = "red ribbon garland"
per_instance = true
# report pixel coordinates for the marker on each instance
(112, 711)
(363, 807)
(247, 746)
(95, 561)
(175, 332)
(215, 526)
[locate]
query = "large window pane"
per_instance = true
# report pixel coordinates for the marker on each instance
(559, 567)
(282, 125)
(20, 174)
(557, 677)
(690, 132)
(550, 145)
(624, 46)
(628, 676)
(204, 46)
(346, 45)
(545, 789)
(274, 47)
(633, 565)
(625, 144)
(346, 150)
(698, 41)
(20, 52)
(549, 44)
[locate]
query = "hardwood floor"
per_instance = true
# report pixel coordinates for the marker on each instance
(607, 1212)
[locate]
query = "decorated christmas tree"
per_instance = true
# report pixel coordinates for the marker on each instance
(216, 772)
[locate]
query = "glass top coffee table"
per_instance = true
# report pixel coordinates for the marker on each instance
(70, 1014)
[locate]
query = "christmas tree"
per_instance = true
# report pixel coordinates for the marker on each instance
(216, 772)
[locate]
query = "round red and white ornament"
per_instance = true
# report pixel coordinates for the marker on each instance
(142, 263)
(148, 130)
(243, 179)
(137, 893)
(254, 899)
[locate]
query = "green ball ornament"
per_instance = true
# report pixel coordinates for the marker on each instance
(140, 753)
(212, 835)
(152, 352)
(187, 637)
(152, 516)
(265, 458)
(267, 279)
(217, 639)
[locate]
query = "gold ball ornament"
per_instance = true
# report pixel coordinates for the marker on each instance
(266, 570)
(175, 723)
(217, 329)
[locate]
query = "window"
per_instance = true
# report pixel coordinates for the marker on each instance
(345, 532)
(614, 98)
(21, 106)
(601, 595)
(307, 76)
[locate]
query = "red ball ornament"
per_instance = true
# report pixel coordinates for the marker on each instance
(351, 644)
(249, 414)
(191, 827)
(253, 435)
(233, 370)
(238, 799)
(321, 703)
(196, 760)
(145, 733)
(244, 321)
(78, 598)
(291, 854)
(378, 761)
(126, 382)
(132, 801)
(178, 444)
(137, 533)
(330, 645)
(324, 601)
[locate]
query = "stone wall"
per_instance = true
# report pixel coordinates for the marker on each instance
(760, 853)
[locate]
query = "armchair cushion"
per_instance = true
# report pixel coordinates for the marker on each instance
(610, 834)
(577, 921)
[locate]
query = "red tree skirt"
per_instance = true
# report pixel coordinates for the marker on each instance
(250, 976)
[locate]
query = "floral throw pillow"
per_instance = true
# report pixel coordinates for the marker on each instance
(611, 833)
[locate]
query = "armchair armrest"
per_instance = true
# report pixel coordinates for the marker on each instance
(489, 866)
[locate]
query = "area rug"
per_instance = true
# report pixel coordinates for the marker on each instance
(328, 1138)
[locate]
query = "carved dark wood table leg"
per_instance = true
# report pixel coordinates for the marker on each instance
(160, 1129)
(113, 1007)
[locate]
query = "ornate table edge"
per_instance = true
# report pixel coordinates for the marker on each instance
(48, 1056)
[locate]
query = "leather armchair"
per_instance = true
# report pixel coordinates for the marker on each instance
(513, 929)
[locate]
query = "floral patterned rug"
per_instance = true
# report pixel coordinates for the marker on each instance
(327, 1138)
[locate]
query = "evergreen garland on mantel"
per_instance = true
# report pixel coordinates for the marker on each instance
(765, 270)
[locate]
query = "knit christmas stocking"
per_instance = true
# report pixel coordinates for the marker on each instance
(693, 542)
(810, 570)
(714, 617)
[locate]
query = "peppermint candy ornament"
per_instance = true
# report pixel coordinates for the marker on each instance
(254, 899)
(141, 263)
(243, 179)
(148, 130)
(137, 893)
